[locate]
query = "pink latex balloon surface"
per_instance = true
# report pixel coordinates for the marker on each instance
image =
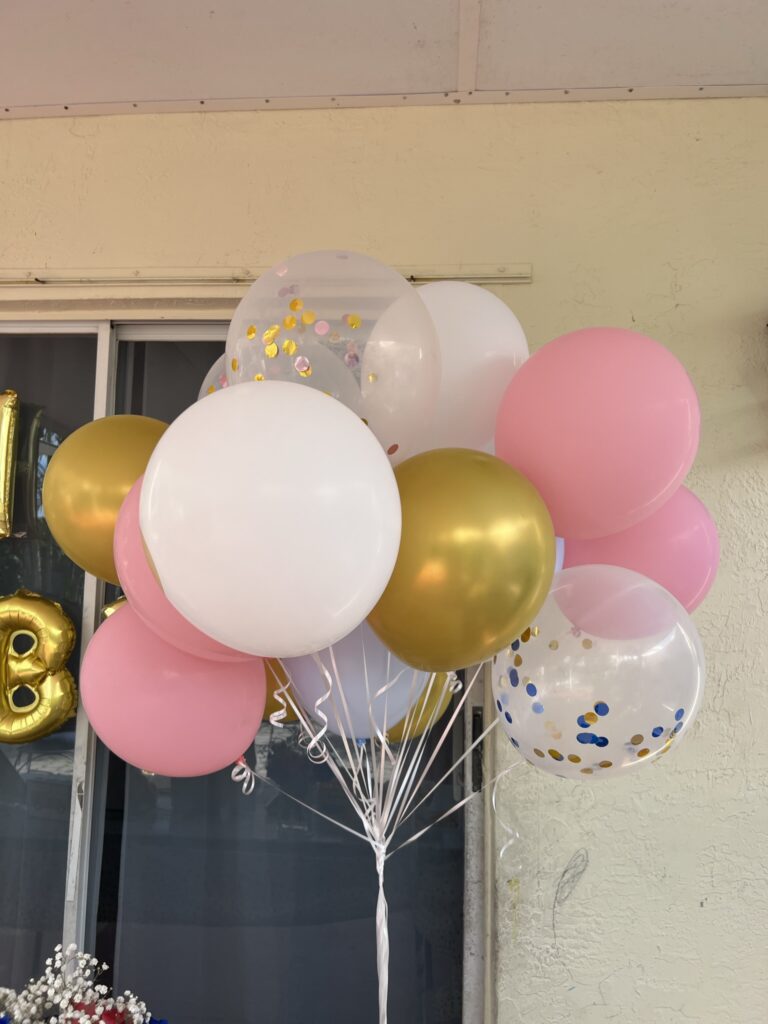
(604, 422)
(146, 596)
(677, 547)
(163, 710)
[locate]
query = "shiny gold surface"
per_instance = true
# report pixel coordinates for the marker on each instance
(48, 638)
(476, 560)
(87, 481)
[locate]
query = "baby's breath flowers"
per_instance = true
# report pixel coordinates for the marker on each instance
(69, 992)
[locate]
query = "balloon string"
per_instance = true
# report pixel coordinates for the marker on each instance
(461, 803)
(514, 835)
(382, 934)
(243, 773)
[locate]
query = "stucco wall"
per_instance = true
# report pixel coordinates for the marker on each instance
(652, 215)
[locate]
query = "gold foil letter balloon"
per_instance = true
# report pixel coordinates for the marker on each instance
(9, 417)
(475, 564)
(87, 481)
(37, 693)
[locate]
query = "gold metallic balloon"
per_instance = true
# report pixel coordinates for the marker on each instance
(476, 560)
(434, 701)
(112, 607)
(9, 419)
(87, 481)
(40, 629)
(276, 678)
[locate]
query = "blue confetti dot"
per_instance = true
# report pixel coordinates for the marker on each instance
(508, 717)
(531, 690)
(678, 727)
(498, 705)
(581, 720)
(538, 708)
(679, 714)
(514, 678)
(601, 708)
(658, 730)
(516, 645)
(514, 741)
(586, 737)
(602, 741)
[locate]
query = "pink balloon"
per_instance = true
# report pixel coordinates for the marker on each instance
(677, 546)
(145, 595)
(605, 423)
(163, 710)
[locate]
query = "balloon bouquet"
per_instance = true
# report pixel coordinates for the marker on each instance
(327, 528)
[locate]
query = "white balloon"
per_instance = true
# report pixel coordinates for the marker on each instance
(608, 678)
(363, 666)
(272, 517)
(215, 379)
(482, 346)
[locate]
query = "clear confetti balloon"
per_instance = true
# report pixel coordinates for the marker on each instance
(215, 379)
(347, 325)
(588, 704)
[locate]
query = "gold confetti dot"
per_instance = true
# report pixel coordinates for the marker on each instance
(289, 322)
(535, 631)
(211, 389)
(586, 644)
(306, 373)
(644, 752)
(372, 378)
(555, 754)
(365, 421)
(353, 320)
(537, 752)
(636, 740)
(258, 376)
(270, 333)
(553, 645)
(518, 661)
(526, 635)
(251, 333)
(271, 350)
(289, 346)
(590, 717)
(308, 316)
(296, 305)
(586, 771)
(574, 759)
(606, 764)
(234, 364)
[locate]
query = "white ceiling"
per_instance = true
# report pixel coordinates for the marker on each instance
(64, 57)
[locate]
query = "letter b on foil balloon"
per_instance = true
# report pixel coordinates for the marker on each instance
(37, 693)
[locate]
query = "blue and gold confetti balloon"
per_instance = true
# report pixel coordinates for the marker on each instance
(608, 678)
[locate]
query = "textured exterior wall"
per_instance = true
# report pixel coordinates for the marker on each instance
(653, 215)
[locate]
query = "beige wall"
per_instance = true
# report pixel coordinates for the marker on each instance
(652, 215)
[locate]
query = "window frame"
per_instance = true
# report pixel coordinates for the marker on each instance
(89, 777)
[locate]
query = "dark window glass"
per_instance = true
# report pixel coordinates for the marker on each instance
(54, 376)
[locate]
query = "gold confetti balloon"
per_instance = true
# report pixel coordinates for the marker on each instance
(610, 677)
(476, 558)
(348, 326)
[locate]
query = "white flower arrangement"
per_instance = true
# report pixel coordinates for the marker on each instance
(69, 992)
